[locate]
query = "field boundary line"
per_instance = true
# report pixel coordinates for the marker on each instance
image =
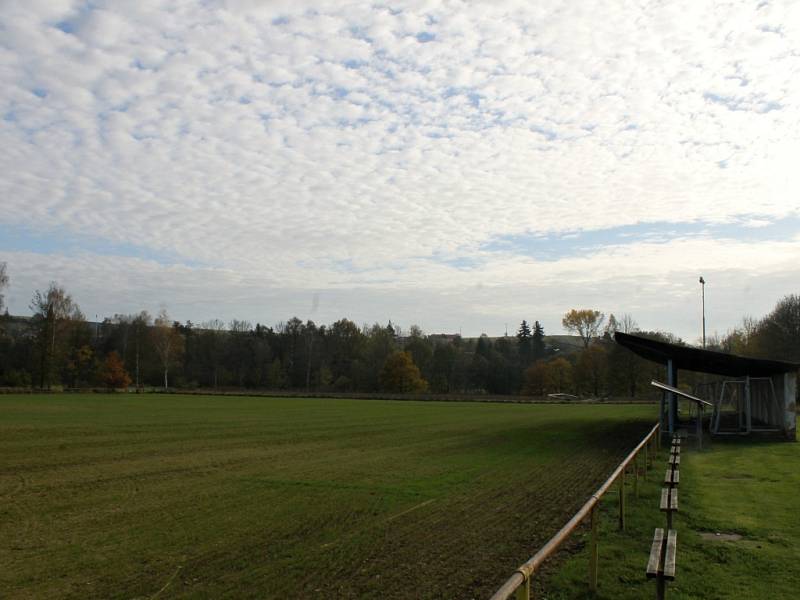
(408, 510)
(166, 585)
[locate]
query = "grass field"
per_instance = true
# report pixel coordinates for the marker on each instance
(166, 496)
(741, 487)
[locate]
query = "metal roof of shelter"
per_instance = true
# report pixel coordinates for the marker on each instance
(703, 361)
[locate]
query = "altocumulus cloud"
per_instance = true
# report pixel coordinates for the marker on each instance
(248, 155)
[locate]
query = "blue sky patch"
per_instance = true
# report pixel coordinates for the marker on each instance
(554, 246)
(19, 239)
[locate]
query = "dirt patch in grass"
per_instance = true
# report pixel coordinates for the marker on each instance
(720, 537)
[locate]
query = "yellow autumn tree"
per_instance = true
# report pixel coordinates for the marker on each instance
(401, 375)
(585, 322)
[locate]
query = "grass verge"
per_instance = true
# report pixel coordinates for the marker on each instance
(742, 487)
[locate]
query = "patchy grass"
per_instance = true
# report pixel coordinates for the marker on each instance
(124, 496)
(740, 487)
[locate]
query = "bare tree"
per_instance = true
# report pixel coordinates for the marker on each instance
(626, 324)
(167, 342)
(214, 331)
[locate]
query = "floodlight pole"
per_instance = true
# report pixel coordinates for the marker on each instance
(703, 296)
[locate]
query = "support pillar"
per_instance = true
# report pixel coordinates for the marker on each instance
(593, 549)
(672, 401)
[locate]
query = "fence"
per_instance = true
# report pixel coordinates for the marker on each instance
(520, 581)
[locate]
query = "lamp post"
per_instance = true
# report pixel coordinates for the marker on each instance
(703, 296)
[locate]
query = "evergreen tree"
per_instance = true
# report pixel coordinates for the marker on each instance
(538, 349)
(524, 343)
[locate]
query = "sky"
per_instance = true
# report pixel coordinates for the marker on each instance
(457, 165)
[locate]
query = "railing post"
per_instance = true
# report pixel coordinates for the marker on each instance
(524, 590)
(593, 549)
(646, 461)
(622, 500)
(636, 475)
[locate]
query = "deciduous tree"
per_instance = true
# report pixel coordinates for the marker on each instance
(52, 309)
(168, 343)
(559, 375)
(779, 332)
(113, 373)
(592, 369)
(401, 375)
(536, 379)
(586, 323)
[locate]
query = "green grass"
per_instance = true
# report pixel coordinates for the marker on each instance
(121, 496)
(738, 486)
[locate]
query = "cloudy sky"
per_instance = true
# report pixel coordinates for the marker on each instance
(460, 165)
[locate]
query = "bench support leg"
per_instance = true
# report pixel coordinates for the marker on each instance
(593, 549)
(660, 588)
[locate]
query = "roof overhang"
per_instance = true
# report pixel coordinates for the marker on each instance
(703, 361)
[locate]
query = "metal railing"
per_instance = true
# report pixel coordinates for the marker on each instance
(520, 581)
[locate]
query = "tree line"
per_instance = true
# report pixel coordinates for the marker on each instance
(56, 346)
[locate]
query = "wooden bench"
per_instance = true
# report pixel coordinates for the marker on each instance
(669, 503)
(672, 477)
(661, 564)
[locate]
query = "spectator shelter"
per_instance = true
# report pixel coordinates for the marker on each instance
(749, 395)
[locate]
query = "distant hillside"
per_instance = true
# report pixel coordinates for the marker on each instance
(566, 344)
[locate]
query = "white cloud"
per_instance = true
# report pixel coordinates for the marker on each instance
(277, 141)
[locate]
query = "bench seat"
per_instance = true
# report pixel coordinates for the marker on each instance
(669, 499)
(672, 477)
(662, 555)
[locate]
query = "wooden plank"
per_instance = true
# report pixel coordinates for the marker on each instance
(672, 550)
(664, 499)
(654, 562)
(675, 459)
(673, 499)
(672, 477)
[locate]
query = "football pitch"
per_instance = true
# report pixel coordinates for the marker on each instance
(170, 496)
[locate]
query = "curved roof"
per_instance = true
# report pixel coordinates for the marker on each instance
(703, 361)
